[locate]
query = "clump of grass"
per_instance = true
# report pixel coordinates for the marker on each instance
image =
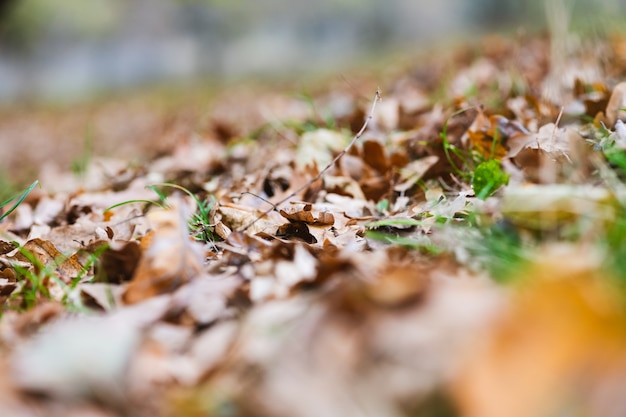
(484, 174)
(33, 282)
(34, 278)
(200, 224)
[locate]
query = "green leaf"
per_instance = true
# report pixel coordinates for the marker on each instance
(488, 177)
(382, 206)
(616, 157)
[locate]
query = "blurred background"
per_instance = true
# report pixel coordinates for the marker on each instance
(72, 49)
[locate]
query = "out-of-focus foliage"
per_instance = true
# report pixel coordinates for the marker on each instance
(28, 20)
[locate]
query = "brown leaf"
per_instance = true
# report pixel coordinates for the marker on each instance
(303, 268)
(306, 216)
(170, 260)
(98, 295)
(118, 262)
(344, 186)
(376, 188)
(617, 103)
(6, 247)
(413, 172)
(374, 156)
(49, 256)
(398, 285)
(239, 217)
(298, 230)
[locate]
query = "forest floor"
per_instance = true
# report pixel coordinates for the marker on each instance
(453, 244)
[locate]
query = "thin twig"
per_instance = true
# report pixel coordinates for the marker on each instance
(356, 137)
(556, 124)
(265, 200)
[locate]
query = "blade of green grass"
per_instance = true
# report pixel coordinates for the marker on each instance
(19, 201)
(123, 203)
(393, 222)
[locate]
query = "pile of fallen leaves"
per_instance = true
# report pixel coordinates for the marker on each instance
(463, 257)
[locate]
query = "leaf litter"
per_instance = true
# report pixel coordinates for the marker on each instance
(455, 249)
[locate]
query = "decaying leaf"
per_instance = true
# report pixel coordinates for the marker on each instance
(615, 109)
(118, 262)
(238, 218)
(397, 285)
(298, 230)
(414, 171)
(84, 357)
(46, 255)
(344, 186)
(6, 247)
(171, 258)
(316, 147)
(302, 268)
(306, 216)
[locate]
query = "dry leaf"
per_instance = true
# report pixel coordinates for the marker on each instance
(47, 255)
(85, 357)
(617, 103)
(488, 135)
(316, 147)
(414, 171)
(374, 155)
(100, 295)
(77, 358)
(302, 268)
(236, 218)
(343, 186)
(307, 216)
(118, 262)
(171, 258)
(206, 299)
(397, 285)
(6, 247)
(298, 230)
